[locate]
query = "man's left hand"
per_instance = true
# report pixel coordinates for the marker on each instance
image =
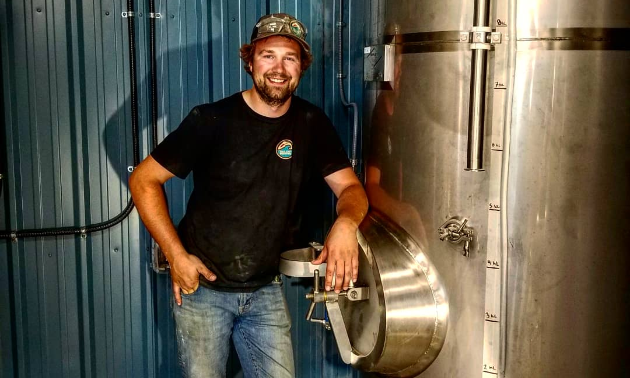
(341, 252)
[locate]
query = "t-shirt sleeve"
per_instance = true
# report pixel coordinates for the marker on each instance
(177, 152)
(329, 155)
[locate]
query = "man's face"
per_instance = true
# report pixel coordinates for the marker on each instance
(276, 69)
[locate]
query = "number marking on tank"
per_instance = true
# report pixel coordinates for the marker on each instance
(492, 317)
(490, 369)
(497, 146)
(493, 264)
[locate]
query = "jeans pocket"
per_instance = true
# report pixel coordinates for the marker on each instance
(189, 295)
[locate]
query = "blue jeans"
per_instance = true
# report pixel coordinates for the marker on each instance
(258, 322)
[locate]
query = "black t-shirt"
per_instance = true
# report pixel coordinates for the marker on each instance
(248, 172)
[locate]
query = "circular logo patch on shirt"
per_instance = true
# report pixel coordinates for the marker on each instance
(284, 149)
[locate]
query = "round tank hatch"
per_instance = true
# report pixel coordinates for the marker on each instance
(394, 321)
(401, 329)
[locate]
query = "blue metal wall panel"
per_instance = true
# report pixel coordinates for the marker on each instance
(92, 307)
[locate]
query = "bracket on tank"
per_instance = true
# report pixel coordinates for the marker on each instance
(481, 37)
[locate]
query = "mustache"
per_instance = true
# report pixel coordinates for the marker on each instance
(274, 75)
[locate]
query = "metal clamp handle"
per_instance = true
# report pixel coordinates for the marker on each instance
(455, 232)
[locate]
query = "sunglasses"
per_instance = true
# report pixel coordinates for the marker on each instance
(275, 25)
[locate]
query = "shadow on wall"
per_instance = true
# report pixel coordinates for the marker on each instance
(173, 105)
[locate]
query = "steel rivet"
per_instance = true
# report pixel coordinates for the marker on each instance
(50, 255)
(39, 10)
(140, 14)
(106, 13)
(172, 16)
(115, 249)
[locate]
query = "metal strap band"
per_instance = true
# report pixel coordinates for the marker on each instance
(542, 39)
(574, 39)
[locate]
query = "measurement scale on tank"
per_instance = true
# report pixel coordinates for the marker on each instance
(494, 264)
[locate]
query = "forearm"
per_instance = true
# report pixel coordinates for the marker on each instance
(151, 203)
(352, 205)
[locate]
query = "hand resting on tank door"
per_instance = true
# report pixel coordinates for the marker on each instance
(341, 248)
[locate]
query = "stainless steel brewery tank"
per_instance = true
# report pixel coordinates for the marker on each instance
(550, 210)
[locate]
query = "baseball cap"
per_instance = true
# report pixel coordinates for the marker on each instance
(281, 24)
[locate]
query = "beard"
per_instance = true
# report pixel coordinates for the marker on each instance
(272, 96)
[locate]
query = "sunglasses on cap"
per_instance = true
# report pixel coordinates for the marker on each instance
(280, 24)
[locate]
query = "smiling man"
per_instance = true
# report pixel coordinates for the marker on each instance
(251, 155)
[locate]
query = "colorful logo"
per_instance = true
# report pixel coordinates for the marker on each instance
(284, 149)
(296, 29)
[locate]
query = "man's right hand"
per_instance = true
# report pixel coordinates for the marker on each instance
(185, 271)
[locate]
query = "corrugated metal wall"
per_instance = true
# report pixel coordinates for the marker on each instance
(92, 307)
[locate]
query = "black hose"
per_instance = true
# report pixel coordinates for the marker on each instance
(134, 86)
(74, 230)
(3, 147)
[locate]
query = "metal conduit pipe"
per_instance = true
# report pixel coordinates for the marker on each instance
(340, 76)
(78, 230)
(507, 135)
(153, 73)
(479, 59)
(3, 149)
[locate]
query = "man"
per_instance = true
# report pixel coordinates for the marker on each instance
(251, 154)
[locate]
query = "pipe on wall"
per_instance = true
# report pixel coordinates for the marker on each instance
(479, 60)
(342, 95)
